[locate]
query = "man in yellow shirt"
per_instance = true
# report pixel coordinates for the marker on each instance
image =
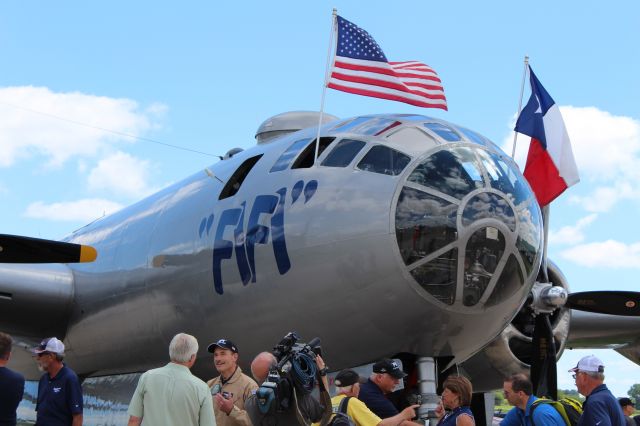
(347, 383)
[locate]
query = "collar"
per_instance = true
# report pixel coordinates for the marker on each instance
(599, 388)
(234, 376)
(375, 386)
(527, 411)
(59, 373)
(178, 367)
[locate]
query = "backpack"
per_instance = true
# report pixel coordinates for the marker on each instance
(570, 409)
(342, 418)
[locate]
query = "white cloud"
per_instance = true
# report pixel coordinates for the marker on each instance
(37, 121)
(121, 174)
(606, 148)
(81, 210)
(608, 254)
(572, 234)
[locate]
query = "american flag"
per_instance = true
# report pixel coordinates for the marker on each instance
(361, 67)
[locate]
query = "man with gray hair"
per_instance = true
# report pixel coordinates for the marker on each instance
(11, 383)
(171, 395)
(600, 408)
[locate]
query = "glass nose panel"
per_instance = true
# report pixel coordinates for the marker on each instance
(439, 276)
(510, 280)
(424, 224)
(455, 172)
(482, 254)
(487, 205)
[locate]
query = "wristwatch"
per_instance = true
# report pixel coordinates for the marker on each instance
(323, 371)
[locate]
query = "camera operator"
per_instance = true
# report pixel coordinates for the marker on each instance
(286, 381)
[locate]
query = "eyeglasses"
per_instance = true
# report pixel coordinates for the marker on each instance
(43, 354)
(576, 374)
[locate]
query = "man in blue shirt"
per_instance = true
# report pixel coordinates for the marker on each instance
(59, 391)
(386, 376)
(11, 384)
(518, 391)
(600, 408)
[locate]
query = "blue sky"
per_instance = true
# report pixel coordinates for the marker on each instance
(204, 76)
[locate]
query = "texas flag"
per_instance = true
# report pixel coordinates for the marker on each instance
(550, 167)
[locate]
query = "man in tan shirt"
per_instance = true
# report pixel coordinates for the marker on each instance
(231, 388)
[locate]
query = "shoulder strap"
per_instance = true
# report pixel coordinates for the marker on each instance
(343, 405)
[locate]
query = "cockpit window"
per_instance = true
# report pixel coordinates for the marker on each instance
(474, 137)
(235, 181)
(445, 132)
(372, 126)
(502, 177)
(306, 159)
(455, 172)
(384, 160)
(285, 159)
(351, 124)
(343, 153)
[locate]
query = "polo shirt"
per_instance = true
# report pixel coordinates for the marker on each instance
(601, 408)
(543, 415)
(11, 391)
(374, 398)
(59, 398)
(172, 396)
(357, 410)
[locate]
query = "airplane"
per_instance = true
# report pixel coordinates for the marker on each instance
(391, 235)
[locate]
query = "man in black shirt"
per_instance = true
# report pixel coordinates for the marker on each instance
(11, 384)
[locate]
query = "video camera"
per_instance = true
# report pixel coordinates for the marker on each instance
(295, 370)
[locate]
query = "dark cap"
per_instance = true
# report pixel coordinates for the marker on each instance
(347, 378)
(390, 367)
(624, 401)
(224, 344)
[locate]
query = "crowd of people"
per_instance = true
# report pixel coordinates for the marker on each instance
(172, 395)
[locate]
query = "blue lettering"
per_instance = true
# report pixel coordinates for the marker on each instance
(244, 244)
(222, 249)
(256, 233)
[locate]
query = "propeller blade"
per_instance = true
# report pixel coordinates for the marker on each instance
(626, 303)
(543, 360)
(18, 249)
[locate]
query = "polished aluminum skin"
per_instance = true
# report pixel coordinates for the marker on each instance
(412, 235)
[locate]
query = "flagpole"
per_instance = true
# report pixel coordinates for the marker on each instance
(515, 134)
(324, 83)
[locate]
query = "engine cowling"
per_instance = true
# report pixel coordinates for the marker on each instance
(511, 351)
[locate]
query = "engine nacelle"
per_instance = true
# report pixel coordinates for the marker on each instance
(511, 351)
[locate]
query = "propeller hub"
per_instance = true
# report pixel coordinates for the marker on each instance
(546, 298)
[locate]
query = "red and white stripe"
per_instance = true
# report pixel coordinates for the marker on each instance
(411, 82)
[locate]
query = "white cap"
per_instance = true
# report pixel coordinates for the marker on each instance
(50, 344)
(589, 363)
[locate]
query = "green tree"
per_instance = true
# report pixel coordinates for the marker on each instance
(569, 393)
(499, 398)
(634, 392)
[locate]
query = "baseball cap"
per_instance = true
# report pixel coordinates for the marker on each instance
(347, 378)
(589, 363)
(390, 367)
(624, 401)
(50, 344)
(224, 344)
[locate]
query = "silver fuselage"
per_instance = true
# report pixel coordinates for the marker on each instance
(346, 280)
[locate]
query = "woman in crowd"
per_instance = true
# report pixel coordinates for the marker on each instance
(456, 398)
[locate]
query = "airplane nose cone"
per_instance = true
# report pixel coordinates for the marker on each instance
(468, 227)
